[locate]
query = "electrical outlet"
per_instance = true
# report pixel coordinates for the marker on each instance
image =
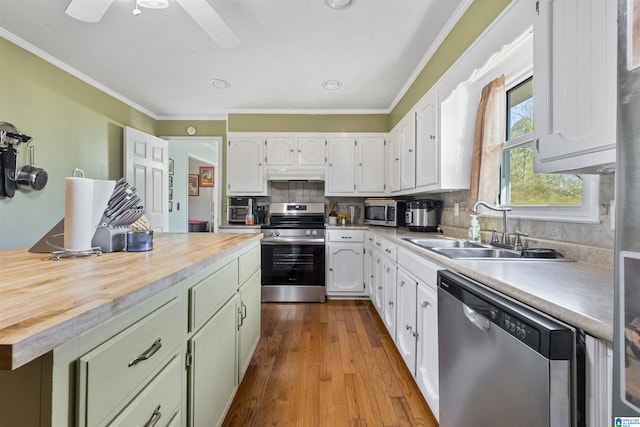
(456, 209)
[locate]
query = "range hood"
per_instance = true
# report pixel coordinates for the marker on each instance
(295, 173)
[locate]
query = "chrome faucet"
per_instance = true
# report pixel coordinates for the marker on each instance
(505, 234)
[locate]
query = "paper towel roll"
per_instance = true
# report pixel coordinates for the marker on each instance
(85, 202)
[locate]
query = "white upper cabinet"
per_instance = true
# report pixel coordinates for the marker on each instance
(292, 151)
(245, 166)
(392, 171)
(574, 66)
(355, 166)
(428, 141)
(311, 151)
(341, 160)
(281, 151)
(370, 152)
(408, 152)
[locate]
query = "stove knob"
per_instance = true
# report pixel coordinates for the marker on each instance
(307, 232)
(277, 234)
(314, 232)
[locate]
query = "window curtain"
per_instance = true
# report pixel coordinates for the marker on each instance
(488, 143)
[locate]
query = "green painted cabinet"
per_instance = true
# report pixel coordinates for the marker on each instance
(249, 322)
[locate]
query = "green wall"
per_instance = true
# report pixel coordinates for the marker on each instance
(73, 125)
(308, 122)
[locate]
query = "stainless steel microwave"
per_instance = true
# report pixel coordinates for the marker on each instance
(386, 212)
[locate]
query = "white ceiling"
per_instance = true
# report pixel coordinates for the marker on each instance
(162, 62)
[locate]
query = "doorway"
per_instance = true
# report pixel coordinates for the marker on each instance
(194, 200)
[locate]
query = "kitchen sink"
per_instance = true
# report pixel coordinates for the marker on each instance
(429, 243)
(485, 253)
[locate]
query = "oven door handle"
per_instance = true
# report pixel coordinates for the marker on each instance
(289, 242)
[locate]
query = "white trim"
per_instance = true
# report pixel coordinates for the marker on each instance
(68, 69)
(302, 111)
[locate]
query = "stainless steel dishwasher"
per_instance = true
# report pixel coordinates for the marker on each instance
(504, 364)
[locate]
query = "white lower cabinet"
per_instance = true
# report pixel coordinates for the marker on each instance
(427, 346)
(389, 295)
(407, 331)
(378, 291)
(345, 263)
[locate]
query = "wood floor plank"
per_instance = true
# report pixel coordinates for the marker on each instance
(331, 364)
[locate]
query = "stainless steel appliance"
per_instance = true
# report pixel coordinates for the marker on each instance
(626, 338)
(293, 253)
(238, 208)
(386, 212)
(504, 364)
(423, 215)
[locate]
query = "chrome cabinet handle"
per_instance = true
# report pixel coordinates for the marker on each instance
(244, 311)
(147, 354)
(345, 237)
(155, 417)
(391, 303)
(425, 304)
(415, 334)
(241, 319)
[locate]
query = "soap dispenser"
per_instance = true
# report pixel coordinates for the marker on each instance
(474, 230)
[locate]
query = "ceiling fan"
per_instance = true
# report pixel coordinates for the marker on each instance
(200, 10)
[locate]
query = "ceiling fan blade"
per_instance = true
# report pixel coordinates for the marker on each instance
(211, 22)
(88, 10)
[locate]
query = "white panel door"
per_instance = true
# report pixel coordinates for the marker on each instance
(393, 160)
(427, 141)
(341, 177)
(312, 151)
(406, 324)
(345, 262)
(245, 166)
(575, 72)
(389, 292)
(408, 153)
(146, 165)
(371, 165)
(281, 151)
(427, 348)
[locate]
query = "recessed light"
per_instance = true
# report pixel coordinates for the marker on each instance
(332, 84)
(338, 4)
(153, 4)
(220, 84)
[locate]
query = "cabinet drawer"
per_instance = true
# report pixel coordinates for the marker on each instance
(160, 400)
(113, 372)
(207, 296)
(387, 247)
(248, 263)
(346, 236)
(419, 267)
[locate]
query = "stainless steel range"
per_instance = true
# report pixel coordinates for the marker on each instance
(293, 253)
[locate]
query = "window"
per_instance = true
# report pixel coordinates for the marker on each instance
(548, 196)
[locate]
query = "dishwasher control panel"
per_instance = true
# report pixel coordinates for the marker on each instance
(516, 327)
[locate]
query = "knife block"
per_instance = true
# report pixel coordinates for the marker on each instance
(110, 239)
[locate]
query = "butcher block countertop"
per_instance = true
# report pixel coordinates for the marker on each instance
(45, 303)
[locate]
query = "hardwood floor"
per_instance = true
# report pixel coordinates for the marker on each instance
(331, 364)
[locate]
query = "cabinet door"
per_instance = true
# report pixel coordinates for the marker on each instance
(378, 282)
(389, 292)
(249, 322)
(281, 151)
(393, 161)
(408, 153)
(245, 166)
(371, 165)
(575, 44)
(312, 151)
(213, 374)
(341, 177)
(368, 269)
(428, 141)
(427, 346)
(406, 312)
(345, 268)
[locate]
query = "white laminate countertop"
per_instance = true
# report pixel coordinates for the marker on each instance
(576, 293)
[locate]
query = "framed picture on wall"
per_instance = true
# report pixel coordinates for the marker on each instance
(170, 166)
(206, 176)
(193, 189)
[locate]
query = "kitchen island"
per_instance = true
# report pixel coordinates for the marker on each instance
(59, 318)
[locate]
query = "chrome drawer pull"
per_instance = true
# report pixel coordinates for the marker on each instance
(155, 417)
(147, 354)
